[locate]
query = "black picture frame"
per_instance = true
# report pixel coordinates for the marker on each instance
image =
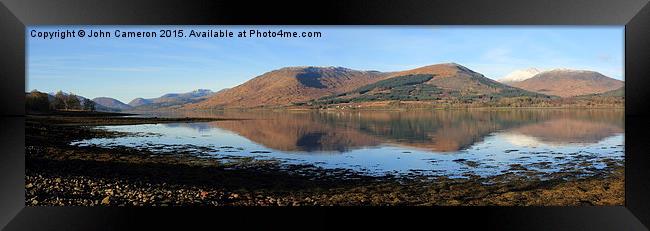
(15, 15)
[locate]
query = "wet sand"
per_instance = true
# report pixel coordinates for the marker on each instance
(60, 174)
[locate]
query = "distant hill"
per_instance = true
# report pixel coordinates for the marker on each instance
(170, 100)
(108, 104)
(188, 95)
(285, 86)
(519, 75)
(139, 102)
(98, 107)
(111, 103)
(448, 81)
(567, 83)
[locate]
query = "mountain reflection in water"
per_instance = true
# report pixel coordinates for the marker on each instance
(439, 131)
(452, 143)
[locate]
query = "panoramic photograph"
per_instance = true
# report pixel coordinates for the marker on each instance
(324, 116)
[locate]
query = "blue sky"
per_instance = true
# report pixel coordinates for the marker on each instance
(149, 67)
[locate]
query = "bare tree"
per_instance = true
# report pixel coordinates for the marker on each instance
(59, 101)
(72, 102)
(88, 105)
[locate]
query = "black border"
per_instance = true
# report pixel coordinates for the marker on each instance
(634, 14)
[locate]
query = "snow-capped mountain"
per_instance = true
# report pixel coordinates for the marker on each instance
(519, 75)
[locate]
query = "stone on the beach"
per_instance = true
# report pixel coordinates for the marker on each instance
(106, 200)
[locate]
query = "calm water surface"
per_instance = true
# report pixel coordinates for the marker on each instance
(454, 143)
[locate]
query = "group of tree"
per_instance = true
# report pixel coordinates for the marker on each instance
(38, 101)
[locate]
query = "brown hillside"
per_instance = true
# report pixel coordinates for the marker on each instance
(567, 83)
(287, 85)
(447, 81)
(291, 85)
(453, 76)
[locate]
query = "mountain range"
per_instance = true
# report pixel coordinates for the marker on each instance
(449, 82)
(98, 107)
(170, 100)
(443, 83)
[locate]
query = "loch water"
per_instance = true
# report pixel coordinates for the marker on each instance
(452, 143)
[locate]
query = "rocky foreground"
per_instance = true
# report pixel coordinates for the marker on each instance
(60, 174)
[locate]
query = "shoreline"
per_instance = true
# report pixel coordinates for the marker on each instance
(384, 109)
(101, 119)
(60, 174)
(369, 109)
